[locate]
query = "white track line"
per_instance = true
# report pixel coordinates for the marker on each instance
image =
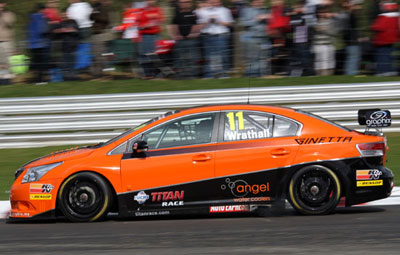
(394, 199)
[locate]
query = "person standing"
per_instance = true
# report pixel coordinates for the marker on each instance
(185, 31)
(349, 20)
(80, 11)
(323, 41)
(130, 23)
(150, 22)
(256, 45)
(278, 29)
(68, 32)
(301, 57)
(54, 18)
(51, 11)
(7, 21)
(386, 34)
(216, 20)
(101, 21)
(39, 44)
(129, 29)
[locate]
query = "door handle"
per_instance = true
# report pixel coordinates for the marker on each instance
(201, 158)
(280, 152)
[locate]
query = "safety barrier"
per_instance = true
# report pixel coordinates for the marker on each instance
(43, 121)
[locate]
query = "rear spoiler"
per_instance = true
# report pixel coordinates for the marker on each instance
(374, 119)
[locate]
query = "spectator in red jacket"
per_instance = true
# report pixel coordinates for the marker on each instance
(149, 27)
(51, 12)
(54, 18)
(386, 29)
(277, 30)
(130, 23)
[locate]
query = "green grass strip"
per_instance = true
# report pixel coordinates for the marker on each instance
(137, 85)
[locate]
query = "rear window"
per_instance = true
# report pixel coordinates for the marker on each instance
(325, 120)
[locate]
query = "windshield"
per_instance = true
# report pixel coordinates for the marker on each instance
(129, 131)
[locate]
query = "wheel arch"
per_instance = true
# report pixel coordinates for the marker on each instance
(338, 167)
(114, 206)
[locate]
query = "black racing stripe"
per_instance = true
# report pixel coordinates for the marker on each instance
(197, 149)
(167, 152)
(181, 151)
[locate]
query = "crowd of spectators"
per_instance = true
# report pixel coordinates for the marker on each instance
(208, 39)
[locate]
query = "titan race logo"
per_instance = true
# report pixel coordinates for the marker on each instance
(240, 188)
(378, 119)
(169, 198)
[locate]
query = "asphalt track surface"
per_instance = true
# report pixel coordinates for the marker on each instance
(356, 230)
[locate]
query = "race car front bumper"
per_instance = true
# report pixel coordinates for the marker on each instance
(34, 200)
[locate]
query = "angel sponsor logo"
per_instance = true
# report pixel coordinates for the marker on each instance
(241, 188)
(368, 174)
(229, 208)
(254, 189)
(141, 197)
(369, 183)
(169, 198)
(246, 135)
(40, 188)
(325, 139)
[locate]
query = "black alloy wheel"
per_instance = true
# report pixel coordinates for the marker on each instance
(84, 197)
(314, 190)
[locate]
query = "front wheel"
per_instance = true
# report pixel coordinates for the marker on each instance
(314, 190)
(84, 197)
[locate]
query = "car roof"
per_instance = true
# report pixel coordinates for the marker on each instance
(254, 107)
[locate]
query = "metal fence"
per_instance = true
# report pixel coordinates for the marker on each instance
(85, 119)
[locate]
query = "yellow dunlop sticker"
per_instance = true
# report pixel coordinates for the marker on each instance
(369, 183)
(40, 196)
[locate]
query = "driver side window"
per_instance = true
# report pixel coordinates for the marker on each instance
(182, 132)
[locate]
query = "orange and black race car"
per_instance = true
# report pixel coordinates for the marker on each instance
(213, 159)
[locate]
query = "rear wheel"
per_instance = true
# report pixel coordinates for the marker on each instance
(314, 190)
(84, 197)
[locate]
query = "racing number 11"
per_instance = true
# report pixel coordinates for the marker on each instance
(231, 117)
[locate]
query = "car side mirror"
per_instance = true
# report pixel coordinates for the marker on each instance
(140, 147)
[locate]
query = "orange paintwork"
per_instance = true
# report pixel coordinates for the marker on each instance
(150, 172)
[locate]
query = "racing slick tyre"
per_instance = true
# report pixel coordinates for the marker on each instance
(314, 190)
(84, 197)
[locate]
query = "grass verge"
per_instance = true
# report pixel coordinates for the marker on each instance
(137, 85)
(12, 159)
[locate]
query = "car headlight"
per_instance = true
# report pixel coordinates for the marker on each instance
(35, 173)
